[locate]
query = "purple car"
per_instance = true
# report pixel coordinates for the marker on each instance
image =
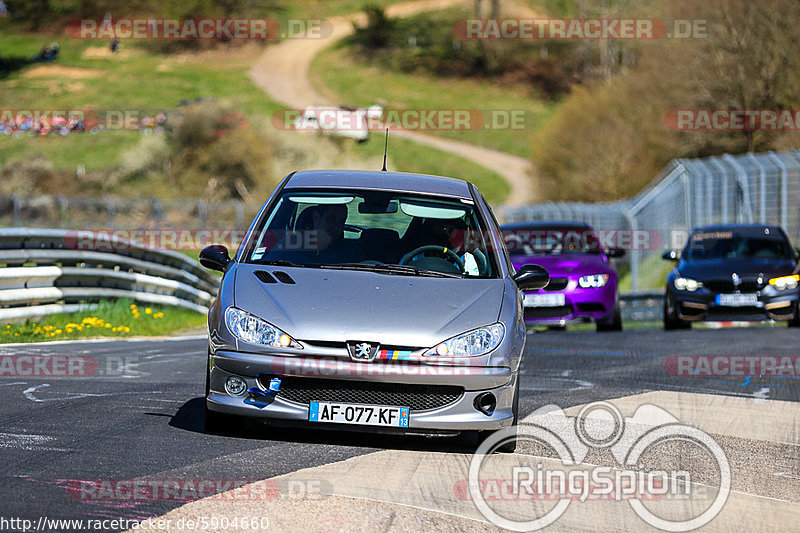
(583, 282)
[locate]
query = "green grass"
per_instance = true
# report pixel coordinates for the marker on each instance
(141, 81)
(408, 156)
(134, 81)
(652, 274)
(119, 315)
(355, 82)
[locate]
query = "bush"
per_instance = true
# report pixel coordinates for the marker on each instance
(218, 152)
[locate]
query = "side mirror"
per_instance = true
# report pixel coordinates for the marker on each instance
(671, 255)
(616, 253)
(531, 278)
(215, 257)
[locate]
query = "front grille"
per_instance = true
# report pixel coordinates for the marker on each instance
(548, 312)
(725, 286)
(415, 397)
(557, 284)
(591, 308)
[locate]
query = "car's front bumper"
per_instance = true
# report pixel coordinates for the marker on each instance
(458, 415)
(580, 306)
(703, 305)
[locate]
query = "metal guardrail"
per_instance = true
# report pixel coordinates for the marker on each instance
(44, 274)
(642, 306)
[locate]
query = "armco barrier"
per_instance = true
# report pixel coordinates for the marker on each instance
(642, 306)
(41, 275)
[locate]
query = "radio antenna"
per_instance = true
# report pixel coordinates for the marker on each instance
(385, 149)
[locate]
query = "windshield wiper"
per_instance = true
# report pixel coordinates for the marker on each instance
(285, 263)
(391, 269)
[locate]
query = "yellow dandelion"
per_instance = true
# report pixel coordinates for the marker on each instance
(148, 310)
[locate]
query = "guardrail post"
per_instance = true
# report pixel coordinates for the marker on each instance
(16, 209)
(239, 213)
(202, 213)
(157, 211)
(63, 210)
(111, 209)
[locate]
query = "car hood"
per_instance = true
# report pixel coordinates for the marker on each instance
(342, 305)
(746, 268)
(565, 265)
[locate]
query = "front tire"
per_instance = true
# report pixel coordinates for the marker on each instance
(615, 324)
(671, 319)
(214, 423)
(795, 321)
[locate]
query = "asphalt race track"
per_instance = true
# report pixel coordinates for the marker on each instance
(134, 412)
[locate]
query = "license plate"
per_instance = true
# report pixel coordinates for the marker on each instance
(556, 299)
(358, 413)
(737, 300)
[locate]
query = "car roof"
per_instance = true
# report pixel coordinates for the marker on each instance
(751, 229)
(545, 224)
(384, 181)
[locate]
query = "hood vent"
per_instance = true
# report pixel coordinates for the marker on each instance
(264, 276)
(283, 277)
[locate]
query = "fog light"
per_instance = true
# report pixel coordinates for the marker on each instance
(486, 403)
(235, 386)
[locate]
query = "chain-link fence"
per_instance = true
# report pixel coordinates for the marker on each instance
(747, 188)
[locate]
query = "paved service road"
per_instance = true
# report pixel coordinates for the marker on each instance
(132, 410)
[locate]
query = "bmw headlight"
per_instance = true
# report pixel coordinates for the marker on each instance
(254, 330)
(785, 282)
(593, 281)
(472, 343)
(687, 284)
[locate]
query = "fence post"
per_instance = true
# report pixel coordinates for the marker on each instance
(635, 254)
(784, 207)
(762, 189)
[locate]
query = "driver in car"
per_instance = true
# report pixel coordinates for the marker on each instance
(328, 222)
(451, 234)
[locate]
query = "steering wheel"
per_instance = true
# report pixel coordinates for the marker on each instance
(434, 248)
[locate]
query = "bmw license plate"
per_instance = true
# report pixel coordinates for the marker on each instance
(556, 299)
(737, 300)
(358, 413)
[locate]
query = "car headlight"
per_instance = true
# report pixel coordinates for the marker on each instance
(785, 282)
(687, 284)
(254, 330)
(472, 343)
(593, 281)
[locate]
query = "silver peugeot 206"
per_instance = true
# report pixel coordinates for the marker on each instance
(369, 300)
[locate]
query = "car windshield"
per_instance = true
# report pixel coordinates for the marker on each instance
(388, 232)
(728, 245)
(551, 240)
